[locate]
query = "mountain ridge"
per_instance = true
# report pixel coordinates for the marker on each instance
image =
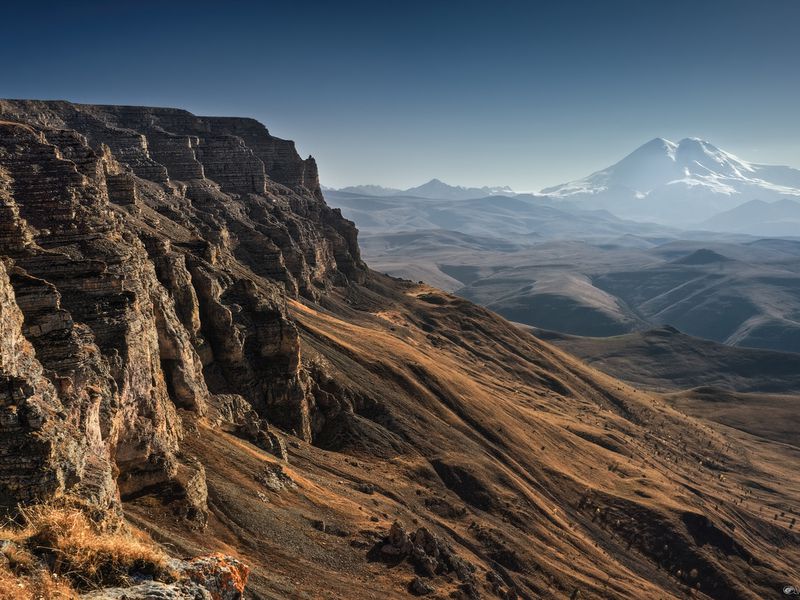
(780, 218)
(684, 183)
(433, 189)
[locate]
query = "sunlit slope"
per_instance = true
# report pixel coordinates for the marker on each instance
(530, 464)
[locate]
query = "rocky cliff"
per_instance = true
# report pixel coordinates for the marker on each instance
(151, 253)
(189, 337)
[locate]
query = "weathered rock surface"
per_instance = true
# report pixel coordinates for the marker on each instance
(148, 257)
(152, 590)
(429, 554)
(38, 456)
(223, 576)
(212, 577)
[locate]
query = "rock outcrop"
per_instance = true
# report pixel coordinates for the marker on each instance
(429, 554)
(38, 456)
(212, 577)
(149, 255)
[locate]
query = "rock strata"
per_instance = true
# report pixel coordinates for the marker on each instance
(148, 257)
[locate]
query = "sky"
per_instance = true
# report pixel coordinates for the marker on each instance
(503, 92)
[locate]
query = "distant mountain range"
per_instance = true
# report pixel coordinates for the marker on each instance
(689, 184)
(522, 218)
(685, 255)
(679, 184)
(434, 189)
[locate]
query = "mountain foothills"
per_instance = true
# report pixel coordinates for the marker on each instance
(756, 391)
(192, 348)
(741, 291)
(565, 260)
(770, 219)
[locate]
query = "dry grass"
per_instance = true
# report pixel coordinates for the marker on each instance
(56, 549)
(41, 585)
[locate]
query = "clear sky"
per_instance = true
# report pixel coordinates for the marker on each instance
(498, 92)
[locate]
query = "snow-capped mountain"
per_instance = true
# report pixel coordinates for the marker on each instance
(434, 189)
(681, 184)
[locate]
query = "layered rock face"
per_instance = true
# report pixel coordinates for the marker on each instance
(147, 258)
(29, 419)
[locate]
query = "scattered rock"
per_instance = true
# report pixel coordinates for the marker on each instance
(429, 554)
(232, 408)
(500, 586)
(274, 478)
(444, 508)
(262, 435)
(223, 576)
(467, 591)
(420, 587)
(332, 529)
(365, 488)
(192, 492)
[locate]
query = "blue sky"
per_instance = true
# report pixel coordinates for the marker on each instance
(518, 93)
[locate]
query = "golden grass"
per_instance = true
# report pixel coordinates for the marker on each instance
(41, 585)
(56, 549)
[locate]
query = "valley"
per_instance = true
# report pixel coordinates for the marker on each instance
(742, 293)
(565, 260)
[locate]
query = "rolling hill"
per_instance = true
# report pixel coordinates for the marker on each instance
(666, 359)
(742, 292)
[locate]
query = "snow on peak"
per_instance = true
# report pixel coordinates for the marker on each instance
(701, 157)
(659, 144)
(693, 174)
(661, 162)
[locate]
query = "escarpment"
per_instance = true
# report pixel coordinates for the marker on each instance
(133, 239)
(189, 337)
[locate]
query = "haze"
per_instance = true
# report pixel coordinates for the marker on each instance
(525, 94)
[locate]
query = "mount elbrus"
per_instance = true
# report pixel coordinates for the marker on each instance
(190, 340)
